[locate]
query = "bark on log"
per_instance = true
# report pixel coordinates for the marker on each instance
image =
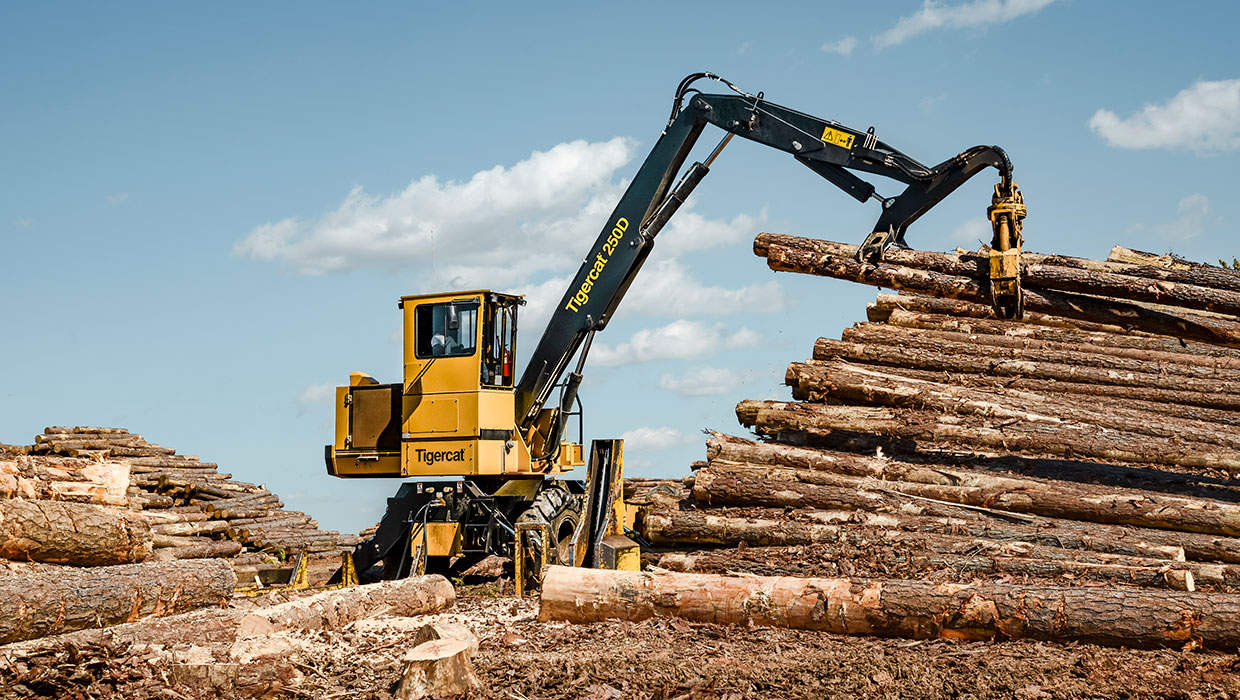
(206, 549)
(963, 357)
(805, 259)
(999, 332)
(774, 528)
(1184, 404)
(884, 304)
(37, 605)
(996, 348)
(917, 609)
(416, 595)
(201, 527)
(909, 430)
(1137, 509)
(869, 386)
(751, 561)
(1040, 275)
(72, 533)
(729, 448)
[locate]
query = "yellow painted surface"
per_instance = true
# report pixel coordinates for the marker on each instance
(442, 539)
(836, 137)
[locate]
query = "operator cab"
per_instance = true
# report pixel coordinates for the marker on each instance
(453, 413)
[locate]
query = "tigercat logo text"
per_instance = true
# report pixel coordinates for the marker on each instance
(431, 457)
(600, 261)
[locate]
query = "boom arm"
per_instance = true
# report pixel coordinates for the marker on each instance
(826, 147)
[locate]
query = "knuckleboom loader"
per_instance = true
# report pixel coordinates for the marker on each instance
(486, 447)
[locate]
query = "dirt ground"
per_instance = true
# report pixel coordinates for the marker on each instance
(520, 658)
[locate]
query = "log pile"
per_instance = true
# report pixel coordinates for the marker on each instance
(1092, 444)
(192, 509)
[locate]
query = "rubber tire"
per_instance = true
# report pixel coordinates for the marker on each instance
(561, 512)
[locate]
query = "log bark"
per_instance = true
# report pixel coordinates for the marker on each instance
(806, 259)
(907, 430)
(1060, 501)
(206, 549)
(1035, 273)
(751, 561)
(997, 348)
(916, 609)
(1141, 385)
(1008, 333)
(37, 605)
(416, 595)
(869, 386)
(1183, 404)
(201, 527)
(770, 527)
(729, 448)
(884, 304)
(72, 533)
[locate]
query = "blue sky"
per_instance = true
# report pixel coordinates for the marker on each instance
(210, 210)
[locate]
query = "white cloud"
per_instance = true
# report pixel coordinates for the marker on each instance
(971, 232)
(506, 227)
(677, 340)
(118, 198)
(646, 439)
(314, 394)
(23, 222)
(497, 228)
(978, 13)
(1203, 118)
(701, 381)
(842, 47)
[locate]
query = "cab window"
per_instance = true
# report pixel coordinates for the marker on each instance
(446, 330)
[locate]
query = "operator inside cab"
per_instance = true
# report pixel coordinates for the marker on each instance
(453, 329)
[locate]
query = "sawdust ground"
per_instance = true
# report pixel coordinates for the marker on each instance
(521, 658)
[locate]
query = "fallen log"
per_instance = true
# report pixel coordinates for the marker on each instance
(416, 595)
(915, 609)
(40, 604)
(72, 533)
(907, 430)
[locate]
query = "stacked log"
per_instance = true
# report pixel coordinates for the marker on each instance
(194, 511)
(1091, 444)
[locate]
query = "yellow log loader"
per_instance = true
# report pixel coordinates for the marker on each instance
(484, 448)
